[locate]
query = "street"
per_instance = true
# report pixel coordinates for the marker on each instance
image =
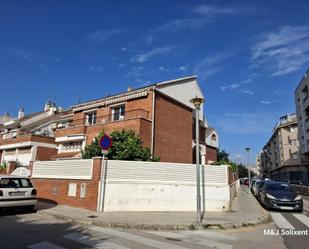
(35, 231)
(20, 230)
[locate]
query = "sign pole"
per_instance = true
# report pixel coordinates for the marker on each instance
(105, 144)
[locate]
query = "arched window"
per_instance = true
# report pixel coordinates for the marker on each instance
(214, 137)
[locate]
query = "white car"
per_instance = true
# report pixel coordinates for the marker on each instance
(16, 191)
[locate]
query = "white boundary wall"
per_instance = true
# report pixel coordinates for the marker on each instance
(63, 169)
(153, 186)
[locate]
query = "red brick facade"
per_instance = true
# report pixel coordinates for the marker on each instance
(56, 190)
(173, 131)
(211, 154)
(45, 153)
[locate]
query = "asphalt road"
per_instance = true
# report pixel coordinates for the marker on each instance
(293, 227)
(35, 231)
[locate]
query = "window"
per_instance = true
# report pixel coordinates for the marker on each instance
(214, 137)
(91, 118)
(118, 112)
(72, 146)
(295, 156)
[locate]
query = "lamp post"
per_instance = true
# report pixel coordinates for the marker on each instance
(197, 103)
(249, 173)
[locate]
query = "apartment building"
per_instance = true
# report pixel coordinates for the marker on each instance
(280, 158)
(30, 137)
(302, 111)
(160, 114)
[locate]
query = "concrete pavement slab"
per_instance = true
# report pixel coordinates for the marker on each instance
(245, 211)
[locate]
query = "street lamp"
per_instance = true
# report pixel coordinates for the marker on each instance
(249, 175)
(197, 103)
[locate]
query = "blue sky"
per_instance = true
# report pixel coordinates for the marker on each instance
(249, 56)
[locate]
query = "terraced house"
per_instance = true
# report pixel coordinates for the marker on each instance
(30, 137)
(160, 114)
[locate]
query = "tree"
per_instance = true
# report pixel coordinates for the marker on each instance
(93, 149)
(126, 146)
(222, 155)
(242, 171)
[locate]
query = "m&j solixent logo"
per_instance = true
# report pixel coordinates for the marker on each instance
(286, 232)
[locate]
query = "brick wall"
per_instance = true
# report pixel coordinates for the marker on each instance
(71, 130)
(94, 130)
(142, 103)
(45, 153)
(56, 190)
(211, 154)
(78, 118)
(27, 138)
(173, 131)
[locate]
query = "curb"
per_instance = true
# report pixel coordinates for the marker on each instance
(194, 226)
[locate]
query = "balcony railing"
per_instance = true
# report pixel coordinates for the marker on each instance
(138, 113)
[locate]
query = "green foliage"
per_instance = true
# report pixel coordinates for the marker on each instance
(222, 155)
(242, 171)
(126, 146)
(93, 149)
(3, 166)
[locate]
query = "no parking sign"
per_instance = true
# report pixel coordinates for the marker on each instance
(105, 143)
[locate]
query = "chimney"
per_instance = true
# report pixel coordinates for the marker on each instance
(21, 113)
(47, 106)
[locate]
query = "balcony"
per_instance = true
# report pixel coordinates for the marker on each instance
(24, 138)
(79, 126)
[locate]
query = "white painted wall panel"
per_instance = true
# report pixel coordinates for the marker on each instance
(153, 186)
(164, 173)
(66, 169)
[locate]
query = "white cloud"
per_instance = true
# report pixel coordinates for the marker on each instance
(103, 35)
(135, 72)
(182, 68)
(246, 123)
(267, 102)
(124, 49)
(43, 66)
(210, 65)
(143, 57)
(283, 51)
(209, 10)
(231, 87)
(21, 54)
(244, 91)
(95, 68)
(121, 65)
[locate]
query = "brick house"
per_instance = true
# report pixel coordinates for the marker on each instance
(30, 137)
(160, 114)
(212, 144)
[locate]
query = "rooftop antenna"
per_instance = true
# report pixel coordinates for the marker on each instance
(79, 99)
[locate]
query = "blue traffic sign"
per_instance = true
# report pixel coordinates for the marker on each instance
(105, 142)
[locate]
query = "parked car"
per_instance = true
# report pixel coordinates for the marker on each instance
(252, 184)
(17, 191)
(254, 187)
(246, 181)
(259, 186)
(279, 195)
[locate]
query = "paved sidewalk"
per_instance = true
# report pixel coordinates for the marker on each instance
(245, 212)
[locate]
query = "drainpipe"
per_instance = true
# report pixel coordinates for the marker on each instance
(153, 120)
